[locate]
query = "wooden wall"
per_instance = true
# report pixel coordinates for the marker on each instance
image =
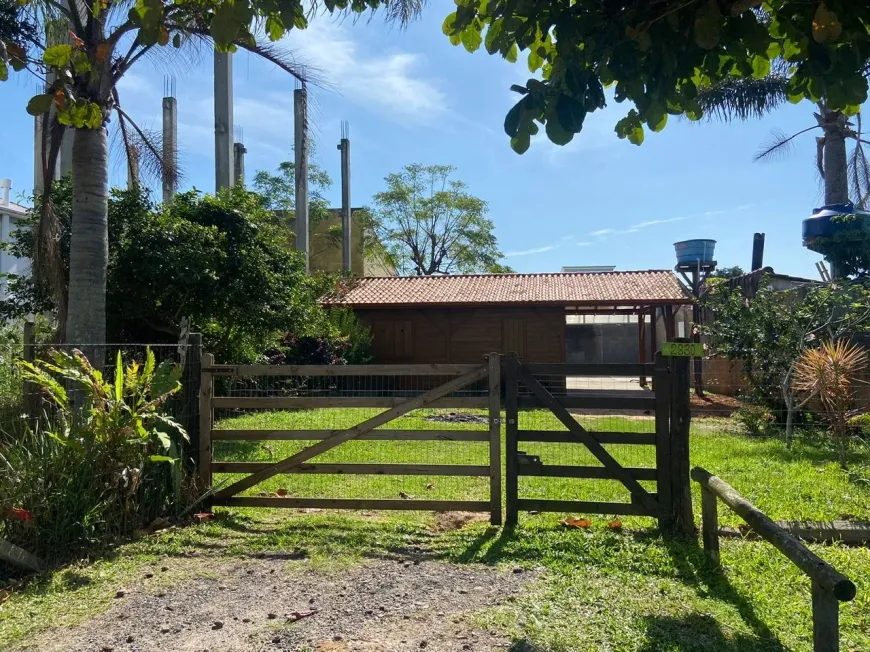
(464, 335)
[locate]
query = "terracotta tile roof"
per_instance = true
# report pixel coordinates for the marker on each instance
(605, 288)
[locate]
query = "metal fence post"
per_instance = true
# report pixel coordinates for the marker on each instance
(511, 410)
(682, 519)
(495, 438)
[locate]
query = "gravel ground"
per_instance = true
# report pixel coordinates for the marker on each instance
(251, 605)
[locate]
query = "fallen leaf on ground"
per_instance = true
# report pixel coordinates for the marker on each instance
(430, 486)
(299, 615)
(203, 516)
(615, 524)
(281, 492)
(406, 496)
(576, 521)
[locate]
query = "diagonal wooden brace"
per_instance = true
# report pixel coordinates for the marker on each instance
(342, 436)
(551, 403)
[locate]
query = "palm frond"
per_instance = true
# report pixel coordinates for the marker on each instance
(743, 99)
(148, 143)
(404, 12)
(779, 145)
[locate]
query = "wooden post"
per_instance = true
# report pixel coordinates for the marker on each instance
(206, 390)
(681, 491)
(495, 438)
(662, 386)
(641, 343)
(31, 393)
(511, 411)
(710, 524)
(670, 323)
(192, 381)
(653, 339)
(826, 620)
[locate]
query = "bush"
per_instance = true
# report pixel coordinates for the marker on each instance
(89, 475)
(755, 419)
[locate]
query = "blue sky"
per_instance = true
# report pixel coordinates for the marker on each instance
(412, 97)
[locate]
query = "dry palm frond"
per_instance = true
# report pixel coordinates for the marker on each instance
(830, 372)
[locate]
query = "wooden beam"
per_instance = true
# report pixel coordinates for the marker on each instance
(583, 507)
(582, 369)
(350, 503)
(375, 435)
(511, 412)
(588, 400)
(818, 570)
(582, 472)
(343, 370)
(423, 400)
(662, 383)
(318, 402)
(16, 556)
(641, 345)
(495, 438)
(206, 421)
(565, 437)
(552, 404)
(653, 329)
(357, 469)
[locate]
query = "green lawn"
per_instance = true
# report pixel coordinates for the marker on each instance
(599, 589)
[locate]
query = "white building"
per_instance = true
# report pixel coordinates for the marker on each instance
(10, 214)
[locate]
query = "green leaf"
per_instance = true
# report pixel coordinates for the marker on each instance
(448, 26)
(708, 21)
(471, 38)
(161, 458)
(512, 119)
(80, 62)
(557, 133)
(165, 379)
(493, 32)
(163, 438)
(176, 40)
(774, 50)
(635, 136)
(39, 104)
(58, 55)
(4, 71)
(536, 61)
(570, 114)
(511, 55)
(520, 143)
(760, 67)
(119, 377)
(224, 26)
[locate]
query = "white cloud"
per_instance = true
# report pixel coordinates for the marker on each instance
(603, 232)
(137, 84)
(378, 80)
(644, 225)
(713, 213)
(528, 252)
(583, 244)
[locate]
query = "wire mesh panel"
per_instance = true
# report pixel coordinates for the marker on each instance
(409, 437)
(583, 438)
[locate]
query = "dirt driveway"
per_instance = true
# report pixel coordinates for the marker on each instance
(265, 604)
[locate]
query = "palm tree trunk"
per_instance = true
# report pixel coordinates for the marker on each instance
(89, 244)
(835, 160)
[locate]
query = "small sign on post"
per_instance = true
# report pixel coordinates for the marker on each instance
(683, 349)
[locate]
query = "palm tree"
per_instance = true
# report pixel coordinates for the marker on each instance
(843, 173)
(84, 51)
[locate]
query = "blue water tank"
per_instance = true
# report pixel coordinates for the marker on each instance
(823, 225)
(694, 251)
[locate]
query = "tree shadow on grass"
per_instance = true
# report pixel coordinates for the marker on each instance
(700, 633)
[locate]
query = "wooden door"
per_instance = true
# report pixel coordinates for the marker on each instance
(513, 337)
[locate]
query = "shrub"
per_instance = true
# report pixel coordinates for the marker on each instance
(755, 419)
(97, 471)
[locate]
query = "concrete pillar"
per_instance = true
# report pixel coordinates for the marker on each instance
(132, 169)
(239, 151)
(170, 148)
(223, 120)
(346, 240)
(300, 120)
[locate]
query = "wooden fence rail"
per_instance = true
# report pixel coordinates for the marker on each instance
(829, 586)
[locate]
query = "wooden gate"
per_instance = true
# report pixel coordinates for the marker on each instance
(396, 403)
(525, 390)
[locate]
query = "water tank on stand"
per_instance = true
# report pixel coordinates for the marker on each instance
(692, 252)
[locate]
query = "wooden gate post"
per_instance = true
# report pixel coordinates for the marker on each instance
(682, 519)
(662, 387)
(495, 438)
(206, 390)
(190, 392)
(511, 411)
(29, 389)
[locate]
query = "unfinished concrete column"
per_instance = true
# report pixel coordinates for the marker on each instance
(170, 140)
(239, 151)
(223, 120)
(346, 240)
(300, 120)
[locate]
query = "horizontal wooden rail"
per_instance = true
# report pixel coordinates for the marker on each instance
(357, 469)
(645, 401)
(828, 584)
(582, 472)
(375, 435)
(351, 503)
(341, 370)
(301, 403)
(583, 507)
(580, 369)
(565, 437)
